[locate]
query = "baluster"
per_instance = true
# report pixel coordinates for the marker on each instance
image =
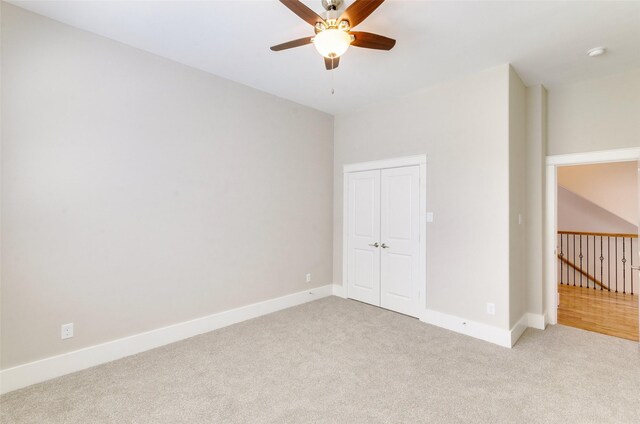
(631, 263)
(594, 263)
(601, 264)
(624, 269)
(568, 279)
(561, 258)
(616, 270)
(594, 285)
(609, 262)
(580, 256)
(574, 260)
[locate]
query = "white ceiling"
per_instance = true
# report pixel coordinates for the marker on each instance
(436, 41)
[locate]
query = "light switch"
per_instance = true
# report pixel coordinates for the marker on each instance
(429, 216)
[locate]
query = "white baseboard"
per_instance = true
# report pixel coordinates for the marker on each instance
(467, 327)
(551, 317)
(340, 291)
(489, 333)
(537, 321)
(56, 366)
(519, 328)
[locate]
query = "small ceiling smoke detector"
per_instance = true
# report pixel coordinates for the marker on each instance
(596, 51)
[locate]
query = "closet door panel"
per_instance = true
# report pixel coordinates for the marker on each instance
(400, 239)
(363, 227)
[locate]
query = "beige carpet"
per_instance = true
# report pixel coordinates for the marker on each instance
(339, 361)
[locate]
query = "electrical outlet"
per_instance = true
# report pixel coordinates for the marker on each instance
(491, 308)
(308, 278)
(66, 331)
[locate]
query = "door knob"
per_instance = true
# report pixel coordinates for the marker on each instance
(384, 246)
(374, 244)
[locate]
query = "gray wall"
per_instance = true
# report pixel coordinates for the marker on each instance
(599, 114)
(517, 197)
(463, 128)
(138, 192)
(536, 150)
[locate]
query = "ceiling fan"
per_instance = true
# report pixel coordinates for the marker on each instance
(333, 29)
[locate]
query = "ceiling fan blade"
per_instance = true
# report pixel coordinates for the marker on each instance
(291, 44)
(368, 40)
(303, 11)
(359, 11)
(331, 63)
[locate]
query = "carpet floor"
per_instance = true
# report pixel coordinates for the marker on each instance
(340, 361)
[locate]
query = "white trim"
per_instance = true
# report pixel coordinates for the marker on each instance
(423, 231)
(56, 366)
(519, 328)
(467, 327)
(416, 160)
(340, 291)
(488, 333)
(602, 156)
(537, 321)
(345, 233)
(386, 163)
(551, 220)
(551, 224)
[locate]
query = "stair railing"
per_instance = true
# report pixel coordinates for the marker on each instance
(598, 260)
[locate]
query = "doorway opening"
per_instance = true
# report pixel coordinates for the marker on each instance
(597, 247)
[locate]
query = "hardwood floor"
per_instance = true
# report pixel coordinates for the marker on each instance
(610, 313)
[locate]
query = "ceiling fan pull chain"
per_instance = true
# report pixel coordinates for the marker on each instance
(332, 83)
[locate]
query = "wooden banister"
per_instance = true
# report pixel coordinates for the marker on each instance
(579, 233)
(586, 274)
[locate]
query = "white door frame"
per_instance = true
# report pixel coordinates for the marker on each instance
(418, 160)
(551, 216)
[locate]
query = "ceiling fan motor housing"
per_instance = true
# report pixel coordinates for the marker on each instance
(332, 4)
(330, 18)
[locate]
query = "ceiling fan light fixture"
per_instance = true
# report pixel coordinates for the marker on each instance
(332, 42)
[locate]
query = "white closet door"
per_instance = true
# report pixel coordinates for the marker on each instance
(400, 239)
(364, 237)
